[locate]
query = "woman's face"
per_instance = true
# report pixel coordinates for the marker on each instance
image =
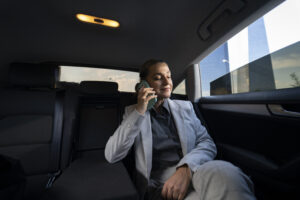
(159, 78)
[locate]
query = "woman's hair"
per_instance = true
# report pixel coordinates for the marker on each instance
(144, 70)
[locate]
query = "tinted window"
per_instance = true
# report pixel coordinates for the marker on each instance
(263, 56)
(126, 79)
(180, 89)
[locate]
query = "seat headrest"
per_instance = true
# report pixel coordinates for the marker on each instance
(33, 75)
(99, 87)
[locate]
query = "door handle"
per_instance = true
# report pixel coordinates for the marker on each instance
(276, 109)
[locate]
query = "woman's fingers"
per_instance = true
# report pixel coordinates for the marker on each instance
(144, 89)
(169, 194)
(145, 92)
(148, 94)
(180, 197)
(150, 97)
(144, 95)
(164, 192)
(175, 196)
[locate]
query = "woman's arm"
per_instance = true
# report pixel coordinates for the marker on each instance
(122, 140)
(204, 150)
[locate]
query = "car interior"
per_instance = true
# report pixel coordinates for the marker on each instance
(53, 132)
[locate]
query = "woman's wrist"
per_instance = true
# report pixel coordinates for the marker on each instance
(139, 110)
(185, 169)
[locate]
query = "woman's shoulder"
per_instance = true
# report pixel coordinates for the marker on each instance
(182, 102)
(130, 108)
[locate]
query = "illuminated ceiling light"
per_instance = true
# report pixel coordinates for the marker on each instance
(98, 20)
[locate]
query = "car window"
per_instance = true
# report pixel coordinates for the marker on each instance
(263, 56)
(180, 89)
(125, 79)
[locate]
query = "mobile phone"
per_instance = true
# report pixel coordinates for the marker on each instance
(151, 102)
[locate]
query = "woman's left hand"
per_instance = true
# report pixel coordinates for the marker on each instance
(177, 185)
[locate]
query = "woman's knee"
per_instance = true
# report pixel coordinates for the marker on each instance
(222, 172)
(222, 180)
(217, 167)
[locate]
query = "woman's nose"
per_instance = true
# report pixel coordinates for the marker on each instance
(166, 81)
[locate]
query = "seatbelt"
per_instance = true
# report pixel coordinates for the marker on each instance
(54, 167)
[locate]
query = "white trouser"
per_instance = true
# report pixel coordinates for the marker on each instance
(220, 180)
(214, 180)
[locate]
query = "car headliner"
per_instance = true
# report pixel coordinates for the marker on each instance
(47, 31)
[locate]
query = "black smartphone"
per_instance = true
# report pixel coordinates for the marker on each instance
(152, 102)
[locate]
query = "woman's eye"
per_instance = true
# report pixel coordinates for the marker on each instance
(157, 78)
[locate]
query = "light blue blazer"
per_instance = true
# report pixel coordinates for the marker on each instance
(197, 146)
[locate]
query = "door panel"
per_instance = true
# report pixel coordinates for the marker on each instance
(259, 137)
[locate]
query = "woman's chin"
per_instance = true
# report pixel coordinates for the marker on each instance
(164, 96)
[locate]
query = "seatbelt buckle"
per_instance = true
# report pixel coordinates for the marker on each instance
(52, 177)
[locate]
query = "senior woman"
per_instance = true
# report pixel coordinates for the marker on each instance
(173, 151)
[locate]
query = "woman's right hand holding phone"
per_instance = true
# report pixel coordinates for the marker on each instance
(143, 97)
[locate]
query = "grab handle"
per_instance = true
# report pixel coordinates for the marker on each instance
(276, 109)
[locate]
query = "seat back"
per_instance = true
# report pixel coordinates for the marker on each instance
(28, 125)
(99, 114)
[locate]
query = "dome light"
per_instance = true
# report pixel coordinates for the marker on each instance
(98, 20)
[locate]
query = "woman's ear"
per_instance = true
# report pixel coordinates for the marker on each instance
(136, 87)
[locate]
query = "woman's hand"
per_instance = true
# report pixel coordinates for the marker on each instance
(144, 96)
(177, 185)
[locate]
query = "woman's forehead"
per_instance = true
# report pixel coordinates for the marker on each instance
(159, 68)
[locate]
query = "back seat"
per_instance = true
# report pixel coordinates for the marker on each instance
(89, 175)
(61, 133)
(31, 122)
(99, 114)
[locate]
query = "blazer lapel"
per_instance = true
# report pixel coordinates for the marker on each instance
(178, 119)
(146, 133)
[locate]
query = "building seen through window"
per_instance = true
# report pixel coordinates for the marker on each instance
(263, 56)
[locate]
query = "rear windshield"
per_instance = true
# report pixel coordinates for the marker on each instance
(126, 79)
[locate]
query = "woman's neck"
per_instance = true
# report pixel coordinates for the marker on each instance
(158, 103)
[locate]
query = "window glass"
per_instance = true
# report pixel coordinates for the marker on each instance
(125, 79)
(263, 56)
(180, 89)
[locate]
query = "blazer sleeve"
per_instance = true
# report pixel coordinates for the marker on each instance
(123, 138)
(204, 150)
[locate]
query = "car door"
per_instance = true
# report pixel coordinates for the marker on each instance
(259, 132)
(251, 104)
